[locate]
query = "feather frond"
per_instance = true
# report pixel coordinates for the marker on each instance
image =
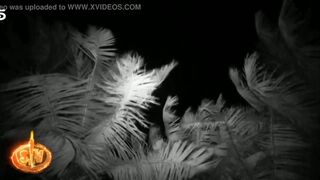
(51, 100)
(282, 92)
(201, 126)
(171, 124)
(178, 160)
(290, 158)
(129, 89)
(95, 46)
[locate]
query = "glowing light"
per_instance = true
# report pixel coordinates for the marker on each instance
(31, 157)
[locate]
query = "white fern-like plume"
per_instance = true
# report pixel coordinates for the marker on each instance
(94, 56)
(282, 92)
(96, 44)
(174, 161)
(129, 89)
(209, 114)
(170, 120)
(242, 85)
(95, 109)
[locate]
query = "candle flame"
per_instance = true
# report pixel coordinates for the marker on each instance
(31, 143)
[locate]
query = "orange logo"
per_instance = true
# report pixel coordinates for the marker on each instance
(31, 157)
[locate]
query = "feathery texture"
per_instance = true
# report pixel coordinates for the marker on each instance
(174, 161)
(129, 90)
(292, 41)
(170, 120)
(87, 114)
(288, 154)
(284, 93)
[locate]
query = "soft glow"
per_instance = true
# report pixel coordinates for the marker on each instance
(31, 157)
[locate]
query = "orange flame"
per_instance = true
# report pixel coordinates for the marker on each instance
(31, 157)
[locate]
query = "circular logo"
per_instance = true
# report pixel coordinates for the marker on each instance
(31, 157)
